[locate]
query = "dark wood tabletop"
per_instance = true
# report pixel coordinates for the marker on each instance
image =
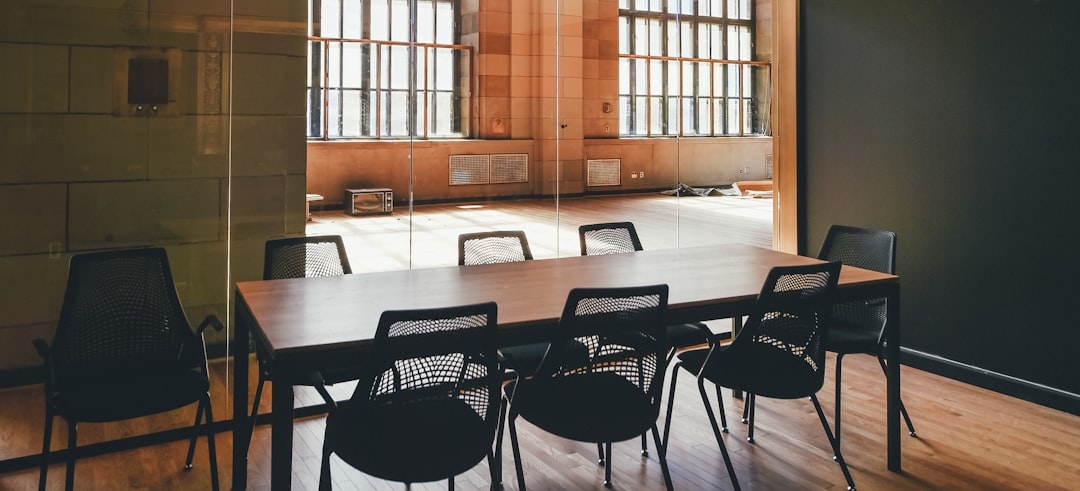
(308, 323)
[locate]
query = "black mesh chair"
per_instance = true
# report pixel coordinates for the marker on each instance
(501, 246)
(123, 349)
(602, 379)
(301, 257)
(859, 327)
(621, 237)
(426, 407)
(779, 353)
(305, 257)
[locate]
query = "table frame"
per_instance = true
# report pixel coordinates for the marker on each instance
(318, 323)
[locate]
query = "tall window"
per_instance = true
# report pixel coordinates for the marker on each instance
(686, 68)
(385, 69)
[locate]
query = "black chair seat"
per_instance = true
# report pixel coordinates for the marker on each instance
(687, 335)
(427, 405)
(140, 394)
(776, 373)
(384, 441)
(846, 338)
(523, 359)
(597, 407)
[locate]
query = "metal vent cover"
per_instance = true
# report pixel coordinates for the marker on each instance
(509, 167)
(468, 169)
(603, 172)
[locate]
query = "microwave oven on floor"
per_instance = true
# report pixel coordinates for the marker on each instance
(369, 201)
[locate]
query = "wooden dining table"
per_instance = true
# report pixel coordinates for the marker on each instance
(310, 324)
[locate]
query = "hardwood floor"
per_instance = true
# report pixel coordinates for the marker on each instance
(969, 438)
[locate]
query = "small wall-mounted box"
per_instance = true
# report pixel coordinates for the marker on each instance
(368, 201)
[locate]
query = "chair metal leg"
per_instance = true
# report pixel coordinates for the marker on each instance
(836, 408)
(496, 473)
(670, 403)
(903, 410)
(607, 466)
(194, 437)
(69, 479)
(450, 484)
(833, 442)
(211, 447)
(493, 468)
(746, 410)
(716, 432)
(325, 484)
(661, 451)
(43, 474)
(723, 414)
(751, 401)
(517, 453)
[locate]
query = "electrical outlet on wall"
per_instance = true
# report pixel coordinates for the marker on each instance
(641, 174)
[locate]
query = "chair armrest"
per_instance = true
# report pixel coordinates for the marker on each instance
(715, 339)
(210, 321)
(42, 348)
(317, 381)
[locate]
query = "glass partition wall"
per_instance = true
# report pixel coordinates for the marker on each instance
(207, 129)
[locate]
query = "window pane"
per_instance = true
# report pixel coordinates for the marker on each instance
(350, 113)
(396, 67)
(689, 127)
(331, 19)
(656, 121)
(733, 116)
(671, 122)
(641, 74)
(380, 20)
(334, 113)
(641, 115)
(656, 40)
(351, 65)
(399, 20)
(445, 21)
(397, 114)
(333, 67)
(673, 48)
(704, 79)
(352, 19)
(624, 75)
(425, 23)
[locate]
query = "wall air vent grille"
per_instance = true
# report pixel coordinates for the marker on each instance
(604, 172)
(509, 167)
(468, 169)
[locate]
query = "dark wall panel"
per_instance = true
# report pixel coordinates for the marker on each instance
(955, 124)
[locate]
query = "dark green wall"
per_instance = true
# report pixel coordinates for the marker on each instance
(955, 124)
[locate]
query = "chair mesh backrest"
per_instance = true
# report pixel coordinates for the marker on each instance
(863, 248)
(612, 330)
(431, 355)
(791, 317)
(504, 246)
(305, 257)
(121, 311)
(608, 238)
